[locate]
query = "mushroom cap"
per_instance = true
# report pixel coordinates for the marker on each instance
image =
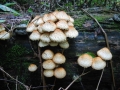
(39, 28)
(47, 54)
(62, 24)
(4, 35)
(71, 33)
(42, 44)
(35, 35)
(59, 58)
(70, 24)
(59, 73)
(52, 17)
(64, 44)
(62, 15)
(32, 67)
(45, 37)
(48, 73)
(98, 63)
(71, 19)
(37, 20)
(85, 60)
(55, 12)
(49, 26)
(57, 36)
(53, 43)
(31, 27)
(48, 64)
(46, 18)
(2, 28)
(104, 53)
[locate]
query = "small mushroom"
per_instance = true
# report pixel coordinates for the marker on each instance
(59, 73)
(32, 67)
(71, 33)
(49, 26)
(48, 73)
(42, 44)
(35, 35)
(62, 24)
(45, 37)
(98, 63)
(53, 43)
(64, 44)
(104, 53)
(59, 58)
(71, 19)
(40, 28)
(31, 27)
(47, 54)
(57, 36)
(4, 35)
(48, 64)
(70, 24)
(2, 28)
(85, 60)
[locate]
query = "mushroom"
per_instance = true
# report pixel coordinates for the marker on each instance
(35, 19)
(104, 53)
(48, 64)
(4, 35)
(48, 73)
(2, 28)
(59, 58)
(49, 26)
(85, 60)
(59, 73)
(40, 28)
(52, 17)
(71, 19)
(57, 36)
(71, 33)
(31, 27)
(98, 63)
(35, 35)
(61, 15)
(46, 18)
(45, 37)
(62, 24)
(32, 67)
(70, 24)
(64, 44)
(43, 44)
(47, 54)
(53, 43)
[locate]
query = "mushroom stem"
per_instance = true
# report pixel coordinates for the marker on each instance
(106, 40)
(42, 76)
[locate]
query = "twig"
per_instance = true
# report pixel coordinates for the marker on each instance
(27, 88)
(106, 40)
(16, 82)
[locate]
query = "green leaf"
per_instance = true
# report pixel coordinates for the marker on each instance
(10, 4)
(5, 8)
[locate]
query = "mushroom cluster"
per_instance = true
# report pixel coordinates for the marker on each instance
(97, 63)
(3, 33)
(52, 29)
(51, 64)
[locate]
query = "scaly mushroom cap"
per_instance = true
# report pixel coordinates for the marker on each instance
(59, 58)
(32, 67)
(49, 26)
(45, 37)
(85, 60)
(45, 18)
(48, 73)
(62, 24)
(53, 43)
(40, 28)
(35, 35)
(48, 64)
(59, 73)
(47, 54)
(31, 27)
(57, 36)
(52, 17)
(55, 12)
(39, 21)
(64, 44)
(70, 24)
(71, 19)
(2, 28)
(98, 63)
(71, 33)
(42, 44)
(62, 15)
(35, 19)
(104, 53)
(4, 35)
